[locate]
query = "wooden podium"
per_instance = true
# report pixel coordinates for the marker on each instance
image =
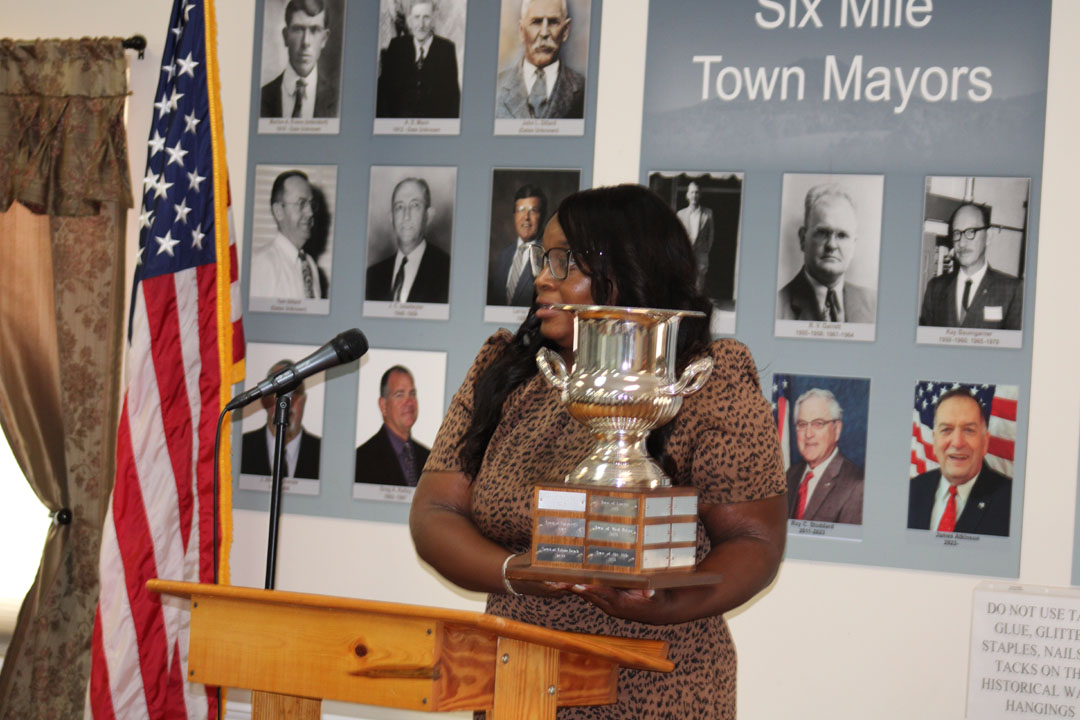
(294, 649)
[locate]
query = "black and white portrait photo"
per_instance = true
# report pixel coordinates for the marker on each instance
(522, 201)
(971, 281)
(302, 50)
(399, 407)
(303, 432)
(830, 244)
(543, 65)
(822, 423)
(421, 56)
(292, 233)
(410, 224)
(710, 208)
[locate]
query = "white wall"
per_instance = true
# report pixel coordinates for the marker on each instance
(825, 641)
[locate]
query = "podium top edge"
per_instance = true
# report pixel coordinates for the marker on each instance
(627, 652)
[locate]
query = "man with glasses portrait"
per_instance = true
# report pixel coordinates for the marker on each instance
(510, 278)
(974, 295)
(282, 268)
(824, 486)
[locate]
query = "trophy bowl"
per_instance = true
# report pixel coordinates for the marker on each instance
(623, 385)
(616, 519)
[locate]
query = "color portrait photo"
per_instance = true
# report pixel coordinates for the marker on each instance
(399, 409)
(823, 424)
(962, 449)
(303, 433)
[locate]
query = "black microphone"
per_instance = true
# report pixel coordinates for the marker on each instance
(346, 347)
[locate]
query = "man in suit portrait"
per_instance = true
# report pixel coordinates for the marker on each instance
(510, 277)
(974, 295)
(418, 272)
(391, 456)
(282, 268)
(699, 226)
(963, 494)
(827, 238)
(824, 486)
(418, 72)
(540, 85)
(301, 447)
(300, 91)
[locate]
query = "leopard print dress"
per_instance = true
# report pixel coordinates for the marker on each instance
(723, 442)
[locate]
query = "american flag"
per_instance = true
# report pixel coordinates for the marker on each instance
(782, 404)
(999, 400)
(185, 351)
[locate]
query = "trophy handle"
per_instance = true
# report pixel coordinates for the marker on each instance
(693, 378)
(557, 375)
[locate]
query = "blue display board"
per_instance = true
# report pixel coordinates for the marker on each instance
(469, 151)
(944, 104)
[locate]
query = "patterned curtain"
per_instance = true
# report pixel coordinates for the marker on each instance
(64, 195)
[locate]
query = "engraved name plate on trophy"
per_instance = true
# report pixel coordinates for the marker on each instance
(616, 519)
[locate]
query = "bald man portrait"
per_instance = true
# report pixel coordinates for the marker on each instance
(418, 271)
(823, 486)
(964, 494)
(973, 295)
(828, 240)
(540, 84)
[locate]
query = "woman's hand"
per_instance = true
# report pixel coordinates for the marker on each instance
(440, 520)
(747, 542)
(533, 587)
(641, 604)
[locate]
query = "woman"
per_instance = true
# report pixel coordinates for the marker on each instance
(506, 430)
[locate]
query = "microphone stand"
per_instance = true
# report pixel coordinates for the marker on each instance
(282, 404)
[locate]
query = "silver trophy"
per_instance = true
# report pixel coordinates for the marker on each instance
(617, 519)
(623, 385)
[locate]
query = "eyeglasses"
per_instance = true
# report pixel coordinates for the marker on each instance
(303, 204)
(968, 234)
(415, 207)
(558, 259)
(818, 425)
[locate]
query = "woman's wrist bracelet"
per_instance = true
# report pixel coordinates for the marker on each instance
(506, 583)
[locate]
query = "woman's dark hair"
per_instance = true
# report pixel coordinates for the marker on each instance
(636, 252)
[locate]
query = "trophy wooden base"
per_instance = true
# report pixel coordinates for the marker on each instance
(655, 580)
(621, 537)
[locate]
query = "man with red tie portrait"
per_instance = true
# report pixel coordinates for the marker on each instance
(963, 494)
(824, 486)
